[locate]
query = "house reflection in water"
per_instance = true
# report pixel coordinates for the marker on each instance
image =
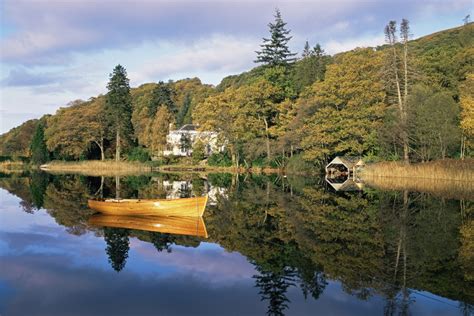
(345, 183)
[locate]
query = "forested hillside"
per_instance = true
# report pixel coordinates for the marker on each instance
(406, 99)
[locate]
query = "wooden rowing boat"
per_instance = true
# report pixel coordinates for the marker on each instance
(177, 225)
(193, 207)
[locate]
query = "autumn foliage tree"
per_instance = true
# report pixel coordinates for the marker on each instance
(467, 115)
(73, 130)
(348, 105)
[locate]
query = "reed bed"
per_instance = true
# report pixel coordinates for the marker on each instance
(97, 167)
(11, 166)
(446, 178)
(450, 189)
(448, 169)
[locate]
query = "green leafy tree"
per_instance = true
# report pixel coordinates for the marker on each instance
(158, 130)
(311, 68)
(184, 111)
(348, 108)
(118, 245)
(198, 151)
(38, 186)
(162, 96)
(185, 143)
(118, 109)
(306, 50)
(274, 50)
(39, 151)
(433, 121)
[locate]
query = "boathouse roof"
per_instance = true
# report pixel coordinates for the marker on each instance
(347, 161)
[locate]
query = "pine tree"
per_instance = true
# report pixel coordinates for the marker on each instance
(118, 245)
(162, 95)
(275, 50)
(183, 111)
(306, 51)
(118, 108)
(39, 152)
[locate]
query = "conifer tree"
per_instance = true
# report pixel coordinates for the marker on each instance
(275, 50)
(306, 50)
(162, 95)
(183, 111)
(118, 108)
(118, 245)
(39, 152)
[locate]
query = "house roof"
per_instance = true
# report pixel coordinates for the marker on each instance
(188, 127)
(348, 161)
(348, 185)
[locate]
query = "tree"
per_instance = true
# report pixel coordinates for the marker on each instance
(72, 130)
(275, 50)
(118, 109)
(159, 129)
(185, 143)
(198, 151)
(433, 123)
(306, 50)
(467, 115)
(224, 114)
(273, 287)
(39, 152)
(348, 107)
(401, 85)
(311, 68)
(118, 246)
(183, 111)
(161, 96)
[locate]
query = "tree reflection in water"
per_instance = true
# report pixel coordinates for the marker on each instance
(296, 233)
(118, 245)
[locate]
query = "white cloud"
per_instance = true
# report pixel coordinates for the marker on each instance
(219, 53)
(335, 46)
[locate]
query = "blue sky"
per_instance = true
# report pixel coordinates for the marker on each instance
(56, 51)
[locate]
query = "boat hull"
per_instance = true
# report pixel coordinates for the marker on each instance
(176, 225)
(190, 207)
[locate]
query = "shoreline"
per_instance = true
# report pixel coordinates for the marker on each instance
(110, 167)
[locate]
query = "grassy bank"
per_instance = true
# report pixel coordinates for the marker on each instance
(448, 169)
(97, 167)
(12, 166)
(111, 167)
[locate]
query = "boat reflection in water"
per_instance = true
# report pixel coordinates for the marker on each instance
(178, 216)
(177, 225)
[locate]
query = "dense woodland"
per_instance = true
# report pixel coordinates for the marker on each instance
(407, 100)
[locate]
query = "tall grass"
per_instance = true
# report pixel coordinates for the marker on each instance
(97, 167)
(448, 169)
(11, 166)
(445, 178)
(450, 189)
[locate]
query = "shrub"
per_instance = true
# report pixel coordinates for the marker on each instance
(220, 160)
(198, 152)
(138, 154)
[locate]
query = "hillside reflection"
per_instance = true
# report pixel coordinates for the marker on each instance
(296, 233)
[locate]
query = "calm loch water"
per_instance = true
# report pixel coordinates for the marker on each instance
(275, 246)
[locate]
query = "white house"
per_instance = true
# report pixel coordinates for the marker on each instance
(181, 142)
